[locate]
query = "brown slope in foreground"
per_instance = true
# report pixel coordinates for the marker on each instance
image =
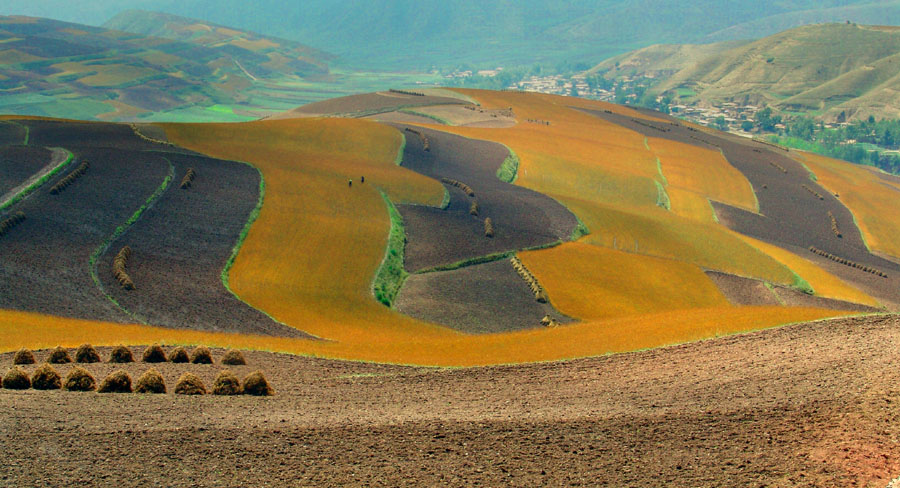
(808, 405)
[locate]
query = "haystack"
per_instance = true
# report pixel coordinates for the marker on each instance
(154, 354)
(121, 354)
(16, 379)
(227, 384)
(255, 384)
(116, 382)
(179, 355)
(189, 384)
(45, 378)
(24, 356)
(86, 354)
(79, 379)
(59, 356)
(233, 358)
(201, 355)
(150, 382)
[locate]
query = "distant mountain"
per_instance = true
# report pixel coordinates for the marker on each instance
(55, 68)
(825, 70)
(412, 34)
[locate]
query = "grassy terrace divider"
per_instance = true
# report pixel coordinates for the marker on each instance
(509, 169)
(37, 184)
(120, 230)
(427, 116)
(662, 198)
(390, 275)
(487, 258)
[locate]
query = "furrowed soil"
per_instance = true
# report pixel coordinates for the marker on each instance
(18, 163)
(181, 243)
(521, 217)
(366, 104)
(793, 208)
(807, 405)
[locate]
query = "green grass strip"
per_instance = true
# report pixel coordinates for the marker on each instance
(509, 169)
(390, 275)
(427, 116)
(580, 230)
(120, 230)
(662, 197)
(254, 214)
(37, 184)
(487, 258)
(399, 159)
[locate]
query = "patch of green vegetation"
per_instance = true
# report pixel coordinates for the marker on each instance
(665, 182)
(802, 285)
(716, 216)
(221, 109)
(580, 230)
(254, 214)
(487, 258)
(390, 275)
(662, 197)
(509, 169)
(428, 116)
(445, 202)
(120, 230)
(399, 159)
(37, 184)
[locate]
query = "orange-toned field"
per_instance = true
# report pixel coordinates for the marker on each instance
(871, 199)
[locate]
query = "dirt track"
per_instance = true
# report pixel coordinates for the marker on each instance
(806, 405)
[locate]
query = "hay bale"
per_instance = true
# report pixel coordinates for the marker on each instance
(121, 354)
(24, 356)
(59, 356)
(116, 382)
(150, 382)
(201, 355)
(16, 379)
(255, 384)
(154, 354)
(86, 354)
(45, 378)
(233, 358)
(189, 384)
(179, 355)
(227, 384)
(79, 379)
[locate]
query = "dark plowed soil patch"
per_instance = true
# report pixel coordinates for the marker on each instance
(400, 118)
(479, 299)
(747, 291)
(72, 135)
(743, 291)
(367, 104)
(808, 405)
(18, 163)
(44, 261)
(11, 133)
(521, 217)
(790, 213)
(180, 246)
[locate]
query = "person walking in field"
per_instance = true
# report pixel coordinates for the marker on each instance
(350, 183)
(362, 179)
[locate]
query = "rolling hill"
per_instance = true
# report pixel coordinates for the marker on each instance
(831, 71)
(55, 68)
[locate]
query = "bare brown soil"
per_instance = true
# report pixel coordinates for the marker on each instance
(808, 405)
(790, 215)
(521, 217)
(478, 299)
(11, 133)
(18, 163)
(366, 104)
(747, 291)
(180, 244)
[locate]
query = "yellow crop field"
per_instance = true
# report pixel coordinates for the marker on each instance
(590, 282)
(824, 283)
(871, 199)
(705, 172)
(35, 331)
(691, 205)
(310, 257)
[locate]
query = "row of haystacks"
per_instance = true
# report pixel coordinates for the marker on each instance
(120, 263)
(122, 354)
(80, 379)
(776, 165)
(140, 134)
(814, 192)
(539, 294)
(188, 179)
(407, 92)
(13, 220)
(650, 126)
(425, 144)
(847, 262)
(834, 226)
(474, 208)
(459, 184)
(70, 178)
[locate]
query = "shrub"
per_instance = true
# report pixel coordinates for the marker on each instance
(86, 354)
(45, 378)
(154, 354)
(233, 358)
(227, 384)
(179, 355)
(24, 356)
(255, 384)
(59, 356)
(150, 382)
(201, 355)
(189, 384)
(121, 354)
(16, 379)
(79, 380)
(116, 382)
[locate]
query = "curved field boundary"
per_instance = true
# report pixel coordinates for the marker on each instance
(390, 275)
(120, 231)
(18, 194)
(509, 168)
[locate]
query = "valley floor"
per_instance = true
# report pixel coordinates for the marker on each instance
(814, 404)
